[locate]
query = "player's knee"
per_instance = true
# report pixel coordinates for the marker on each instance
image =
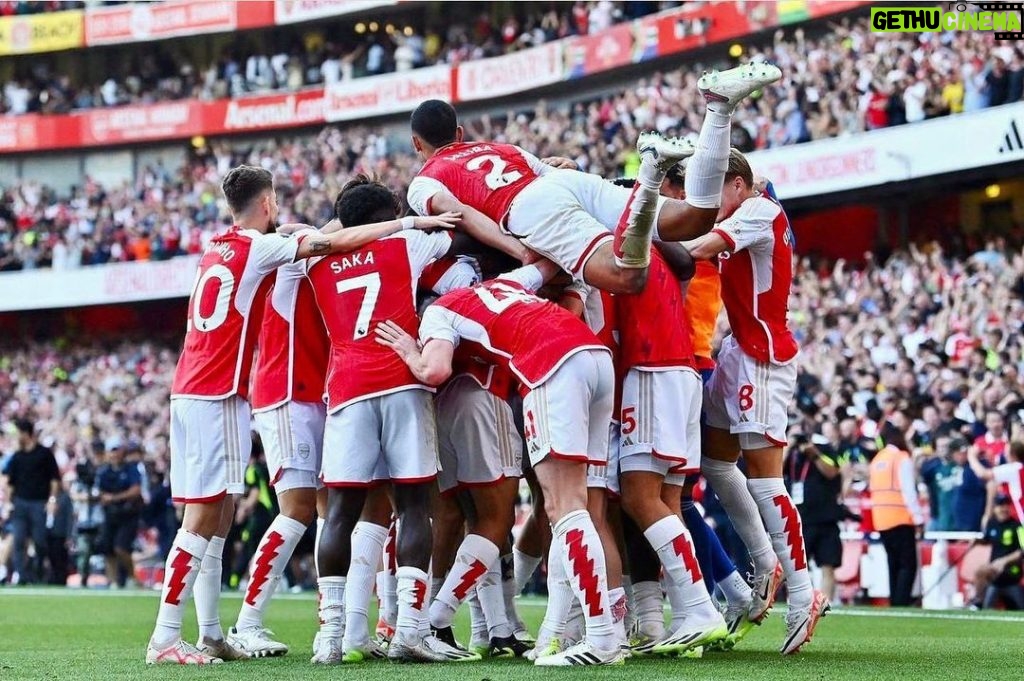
(633, 280)
(298, 504)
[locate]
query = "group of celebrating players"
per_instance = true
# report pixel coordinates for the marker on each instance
(403, 434)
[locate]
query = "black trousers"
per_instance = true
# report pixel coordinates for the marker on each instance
(901, 550)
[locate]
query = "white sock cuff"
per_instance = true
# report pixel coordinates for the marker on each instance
(331, 581)
(482, 548)
(410, 572)
(289, 527)
(568, 520)
(714, 466)
(191, 543)
(662, 532)
(215, 549)
(377, 533)
(765, 488)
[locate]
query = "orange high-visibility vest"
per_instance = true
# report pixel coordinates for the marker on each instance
(888, 509)
(703, 303)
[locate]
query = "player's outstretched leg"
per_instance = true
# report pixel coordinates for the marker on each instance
(705, 170)
(633, 234)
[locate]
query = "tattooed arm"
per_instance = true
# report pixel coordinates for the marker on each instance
(352, 238)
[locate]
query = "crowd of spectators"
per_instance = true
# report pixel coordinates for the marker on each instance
(21, 7)
(321, 56)
(850, 80)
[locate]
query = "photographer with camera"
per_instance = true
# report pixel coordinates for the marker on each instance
(816, 469)
(119, 487)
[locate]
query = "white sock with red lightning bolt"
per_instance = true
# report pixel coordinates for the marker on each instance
(180, 574)
(272, 556)
(782, 521)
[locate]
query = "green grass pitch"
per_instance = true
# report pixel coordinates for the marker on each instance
(51, 634)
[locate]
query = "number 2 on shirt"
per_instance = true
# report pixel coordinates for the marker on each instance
(497, 177)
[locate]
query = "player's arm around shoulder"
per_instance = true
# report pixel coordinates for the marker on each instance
(314, 243)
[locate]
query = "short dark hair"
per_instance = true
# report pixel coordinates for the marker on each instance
(242, 185)
(363, 200)
(739, 167)
(434, 121)
(25, 426)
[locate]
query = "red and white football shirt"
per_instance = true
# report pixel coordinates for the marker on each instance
(502, 322)
(993, 449)
(225, 310)
(358, 290)
(1010, 476)
(654, 329)
(757, 273)
(486, 176)
(293, 344)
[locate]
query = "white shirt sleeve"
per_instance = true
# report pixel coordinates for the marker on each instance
(1005, 473)
(908, 487)
(436, 324)
(270, 251)
(528, 276)
(424, 247)
(461, 274)
(421, 190)
(536, 165)
(750, 225)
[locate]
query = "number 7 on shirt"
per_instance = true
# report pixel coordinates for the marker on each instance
(370, 284)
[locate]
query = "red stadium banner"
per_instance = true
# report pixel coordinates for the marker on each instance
(511, 73)
(691, 27)
(294, 11)
(264, 112)
(141, 123)
(139, 22)
(391, 93)
(587, 55)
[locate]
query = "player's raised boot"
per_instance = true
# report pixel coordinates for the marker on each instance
(583, 654)
(179, 652)
(370, 650)
(256, 641)
(730, 87)
(800, 624)
(327, 650)
(220, 649)
(689, 637)
(665, 152)
(762, 589)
